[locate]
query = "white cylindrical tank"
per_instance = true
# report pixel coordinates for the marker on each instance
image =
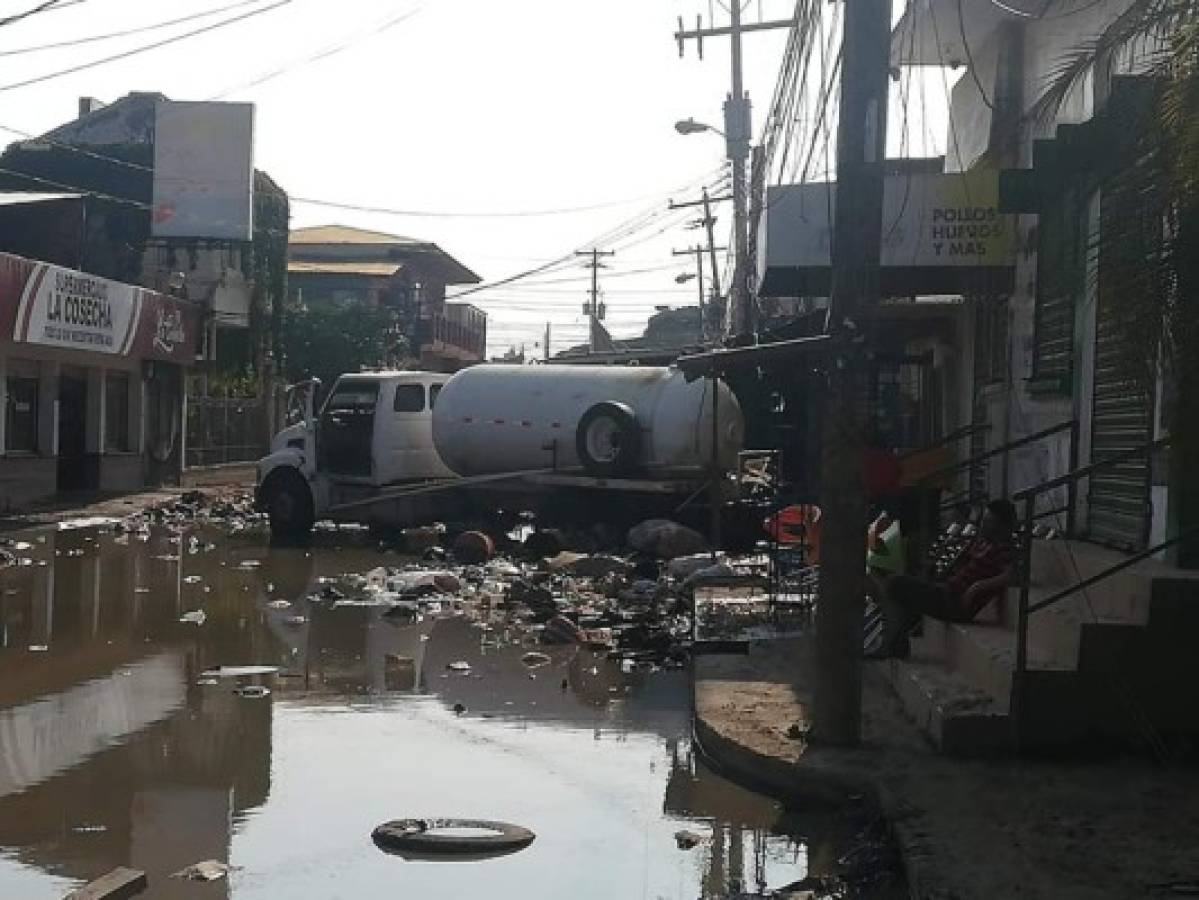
(506, 418)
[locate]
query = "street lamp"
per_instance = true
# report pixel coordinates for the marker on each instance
(690, 126)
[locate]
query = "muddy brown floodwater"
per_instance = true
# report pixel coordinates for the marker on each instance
(118, 747)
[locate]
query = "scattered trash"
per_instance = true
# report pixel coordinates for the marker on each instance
(666, 539)
(239, 671)
(447, 837)
(102, 523)
(208, 870)
(253, 691)
(686, 840)
(473, 547)
(120, 882)
(195, 617)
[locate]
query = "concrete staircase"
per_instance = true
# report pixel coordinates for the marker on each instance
(1112, 664)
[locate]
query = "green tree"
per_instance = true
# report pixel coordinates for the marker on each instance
(325, 341)
(1148, 262)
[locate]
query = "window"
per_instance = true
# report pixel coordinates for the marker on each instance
(21, 409)
(410, 398)
(354, 396)
(116, 412)
(434, 390)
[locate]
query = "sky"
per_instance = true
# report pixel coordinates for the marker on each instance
(475, 117)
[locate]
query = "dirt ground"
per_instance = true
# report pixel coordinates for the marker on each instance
(1040, 830)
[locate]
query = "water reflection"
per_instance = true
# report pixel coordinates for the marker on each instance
(115, 749)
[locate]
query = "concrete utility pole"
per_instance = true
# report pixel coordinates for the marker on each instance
(547, 342)
(738, 132)
(593, 309)
(857, 233)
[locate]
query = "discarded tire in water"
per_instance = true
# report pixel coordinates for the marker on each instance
(421, 836)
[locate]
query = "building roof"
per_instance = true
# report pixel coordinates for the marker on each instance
(343, 234)
(343, 243)
(128, 120)
(380, 269)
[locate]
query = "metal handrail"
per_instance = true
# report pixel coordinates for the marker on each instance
(1069, 425)
(956, 435)
(1112, 570)
(1084, 471)
(1029, 497)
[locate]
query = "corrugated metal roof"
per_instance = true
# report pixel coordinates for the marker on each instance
(342, 234)
(380, 269)
(16, 198)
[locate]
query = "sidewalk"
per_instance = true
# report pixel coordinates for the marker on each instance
(1037, 830)
(110, 506)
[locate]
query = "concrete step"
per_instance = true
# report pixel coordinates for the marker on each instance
(958, 717)
(984, 654)
(1123, 597)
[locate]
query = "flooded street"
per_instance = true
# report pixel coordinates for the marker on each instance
(123, 743)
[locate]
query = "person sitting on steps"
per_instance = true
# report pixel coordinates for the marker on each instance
(980, 574)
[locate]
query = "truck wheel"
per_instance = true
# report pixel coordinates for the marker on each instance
(608, 439)
(289, 505)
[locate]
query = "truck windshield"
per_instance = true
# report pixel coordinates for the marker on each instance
(355, 396)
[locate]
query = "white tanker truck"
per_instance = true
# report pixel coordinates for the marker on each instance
(392, 449)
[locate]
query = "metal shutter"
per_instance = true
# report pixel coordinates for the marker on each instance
(1118, 502)
(1058, 279)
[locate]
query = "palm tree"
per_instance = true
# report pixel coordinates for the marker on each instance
(1149, 255)
(1149, 251)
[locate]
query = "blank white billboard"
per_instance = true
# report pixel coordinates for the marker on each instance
(203, 170)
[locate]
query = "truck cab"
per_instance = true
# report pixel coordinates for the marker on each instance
(374, 431)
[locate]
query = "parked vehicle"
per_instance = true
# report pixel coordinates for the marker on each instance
(398, 448)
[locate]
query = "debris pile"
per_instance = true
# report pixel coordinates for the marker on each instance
(636, 606)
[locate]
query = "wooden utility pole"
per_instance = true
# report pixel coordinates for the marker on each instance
(716, 313)
(857, 233)
(699, 251)
(592, 308)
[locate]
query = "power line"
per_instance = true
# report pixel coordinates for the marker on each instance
(66, 187)
(432, 214)
(47, 6)
(50, 76)
(328, 51)
(128, 32)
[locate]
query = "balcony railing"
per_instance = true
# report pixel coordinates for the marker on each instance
(467, 333)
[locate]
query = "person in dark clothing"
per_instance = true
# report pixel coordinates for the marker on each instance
(982, 571)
